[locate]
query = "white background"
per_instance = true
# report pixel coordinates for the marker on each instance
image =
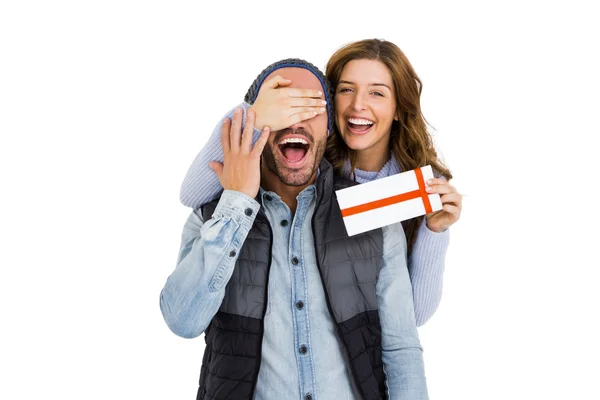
(104, 104)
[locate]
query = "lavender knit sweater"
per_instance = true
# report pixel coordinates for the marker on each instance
(427, 260)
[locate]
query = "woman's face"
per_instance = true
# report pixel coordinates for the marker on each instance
(365, 105)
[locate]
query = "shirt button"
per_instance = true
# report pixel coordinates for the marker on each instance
(295, 261)
(308, 396)
(303, 349)
(232, 253)
(284, 222)
(300, 305)
(248, 211)
(268, 197)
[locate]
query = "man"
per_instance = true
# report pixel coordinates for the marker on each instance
(291, 307)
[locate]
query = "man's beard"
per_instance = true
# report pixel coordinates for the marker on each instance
(289, 176)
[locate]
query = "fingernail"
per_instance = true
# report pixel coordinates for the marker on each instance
(430, 181)
(322, 109)
(323, 102)
(238, 110)
(429, 189)
(320, 93)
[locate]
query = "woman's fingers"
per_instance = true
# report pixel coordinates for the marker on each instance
(301, 116)
(453, 210)
(441, 188)
(453, 198)
(306, 102)
(309, 93)
(276, 82)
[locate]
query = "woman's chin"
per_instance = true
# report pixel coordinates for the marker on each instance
(357, 144)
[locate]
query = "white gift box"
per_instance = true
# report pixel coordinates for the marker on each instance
(388, 200)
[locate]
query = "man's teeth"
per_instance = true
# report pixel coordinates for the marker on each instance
(360, 121)
(293, 140)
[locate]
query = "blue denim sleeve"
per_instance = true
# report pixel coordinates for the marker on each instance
(194, 291)
(201, 185)
(401, 348)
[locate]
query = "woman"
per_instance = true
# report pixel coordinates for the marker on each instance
(379, 131)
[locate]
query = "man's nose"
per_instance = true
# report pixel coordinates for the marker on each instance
(299, 125)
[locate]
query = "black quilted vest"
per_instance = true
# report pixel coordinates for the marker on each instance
(234, 337)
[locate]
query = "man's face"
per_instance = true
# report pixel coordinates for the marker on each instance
(293, 154)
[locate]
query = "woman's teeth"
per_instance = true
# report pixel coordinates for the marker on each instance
(359, 121)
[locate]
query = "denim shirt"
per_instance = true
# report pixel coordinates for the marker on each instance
(297, 315)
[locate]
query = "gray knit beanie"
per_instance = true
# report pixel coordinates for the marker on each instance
(294, 63)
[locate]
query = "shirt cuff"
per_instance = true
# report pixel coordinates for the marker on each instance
(238, 206)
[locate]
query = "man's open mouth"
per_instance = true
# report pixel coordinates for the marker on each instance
(294, 149)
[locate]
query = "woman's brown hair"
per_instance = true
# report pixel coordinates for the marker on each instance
(410, 141)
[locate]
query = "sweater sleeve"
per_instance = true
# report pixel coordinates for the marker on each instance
(426, 267)
(201, 185)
